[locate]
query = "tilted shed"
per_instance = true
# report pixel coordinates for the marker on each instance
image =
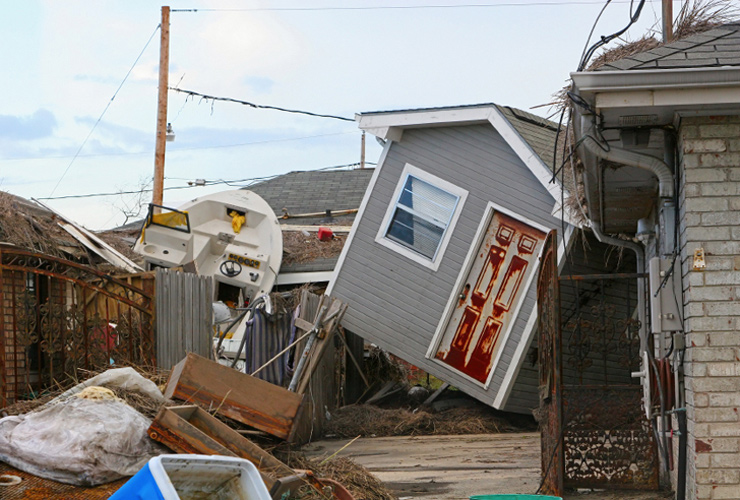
(440, 264)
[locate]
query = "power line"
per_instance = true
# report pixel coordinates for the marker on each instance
(259, 106)
(410, 7)
(176, 150)
(104, 111)
(194, 185)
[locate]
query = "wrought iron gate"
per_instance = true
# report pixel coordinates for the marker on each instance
(594, 431)
(548, 324)
(57, 317)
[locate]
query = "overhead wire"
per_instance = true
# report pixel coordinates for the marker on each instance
(232, 183)
(634, 16)
(407, 7)
(259, 106)
(104, 110)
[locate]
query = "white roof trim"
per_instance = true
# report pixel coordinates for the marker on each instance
(390, 125)
(526, 153)
(303, 277)
(652, 79)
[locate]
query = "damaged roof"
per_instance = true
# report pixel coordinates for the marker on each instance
(538, 132)
(714, 48)
(313, 192)
(28, 225)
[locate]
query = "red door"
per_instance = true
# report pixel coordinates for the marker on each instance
(490, 296)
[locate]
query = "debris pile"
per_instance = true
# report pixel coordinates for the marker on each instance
(303, 246)
(372, 421)
(356, 478)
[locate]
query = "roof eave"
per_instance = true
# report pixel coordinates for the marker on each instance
(590, 83)
(391, 124)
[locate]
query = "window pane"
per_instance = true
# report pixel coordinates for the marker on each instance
(421, 216)
(428, 200)
(416, 233)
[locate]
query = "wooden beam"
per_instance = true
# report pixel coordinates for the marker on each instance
(236, 395)
(190, 429)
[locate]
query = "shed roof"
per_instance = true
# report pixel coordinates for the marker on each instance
(714, 48)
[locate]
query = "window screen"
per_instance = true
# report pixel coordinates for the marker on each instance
(421, 216)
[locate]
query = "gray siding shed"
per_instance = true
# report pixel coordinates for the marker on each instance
(397, 303)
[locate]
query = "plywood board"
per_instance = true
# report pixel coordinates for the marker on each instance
(235, 395)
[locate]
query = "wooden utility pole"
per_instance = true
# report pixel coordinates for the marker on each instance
(160, 145)
(667, 21)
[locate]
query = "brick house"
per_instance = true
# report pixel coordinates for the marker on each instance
(659, 138)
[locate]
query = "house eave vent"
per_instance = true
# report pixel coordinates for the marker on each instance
(637, 120)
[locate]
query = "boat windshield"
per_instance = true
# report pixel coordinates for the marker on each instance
(168, 217)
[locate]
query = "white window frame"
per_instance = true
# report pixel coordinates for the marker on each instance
(462, 194)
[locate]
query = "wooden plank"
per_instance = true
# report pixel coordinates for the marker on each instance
(436, 394)
(326, 334)
(190, 429)
(304, 325)
(237, 395)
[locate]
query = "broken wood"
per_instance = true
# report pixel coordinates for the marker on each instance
(238, 396)
(436, 394)
(314, 332)
(352, 357)
(326, 332)
(190, 429)
(390, 387)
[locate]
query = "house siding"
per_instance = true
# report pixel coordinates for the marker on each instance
(710, 219)
(397, 303)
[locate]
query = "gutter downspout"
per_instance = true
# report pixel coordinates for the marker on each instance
(625, 157)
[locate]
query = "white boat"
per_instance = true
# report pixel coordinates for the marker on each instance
(233, 236)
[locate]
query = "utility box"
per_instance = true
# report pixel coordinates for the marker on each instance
(666, 297)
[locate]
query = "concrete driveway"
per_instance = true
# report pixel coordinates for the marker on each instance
(457, 467)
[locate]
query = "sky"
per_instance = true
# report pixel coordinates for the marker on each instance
(79, 85)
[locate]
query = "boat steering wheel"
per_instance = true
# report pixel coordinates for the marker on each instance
(230, 268)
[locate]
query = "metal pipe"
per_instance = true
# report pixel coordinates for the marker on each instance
(682, 443)
(625, 157)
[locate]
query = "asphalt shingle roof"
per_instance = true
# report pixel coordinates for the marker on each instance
(717, 47)
(315, 191)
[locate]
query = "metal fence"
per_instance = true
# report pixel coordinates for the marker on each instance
(184, 316)
(58, 316)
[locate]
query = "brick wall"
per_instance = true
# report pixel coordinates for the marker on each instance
(709, 157)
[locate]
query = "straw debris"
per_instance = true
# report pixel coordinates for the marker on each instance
(695, 17)
(353, 476)
(372, 421)
(30, 227)
(299, 248)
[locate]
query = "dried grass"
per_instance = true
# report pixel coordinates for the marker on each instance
(371, 421)
(353, 476)
(138, 401)
(20, 226)
(299, 248)
(647, 42)
(695, 17)
(381, 367)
